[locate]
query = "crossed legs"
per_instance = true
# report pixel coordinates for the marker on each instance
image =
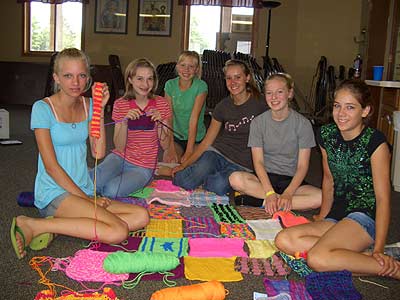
(306, 196)
(333, 247)
(78, 217)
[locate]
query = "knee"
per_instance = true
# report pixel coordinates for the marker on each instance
(236, 181)
(218, 185)
(316, 199)
(118, 232)
(318, 260)
(141, 219)
(283, 241)
(183, 180)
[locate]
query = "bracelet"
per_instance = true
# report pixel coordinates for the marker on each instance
(271, 192)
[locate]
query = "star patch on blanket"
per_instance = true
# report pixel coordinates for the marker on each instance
(175, 246)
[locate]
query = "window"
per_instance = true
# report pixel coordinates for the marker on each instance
(220, 28)
(52, 27)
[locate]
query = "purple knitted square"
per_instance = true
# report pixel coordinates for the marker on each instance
(200, 227)
(204, 211)
(296, 289)
(332, 286)
(133, 200)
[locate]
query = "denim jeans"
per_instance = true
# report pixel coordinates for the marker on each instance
(115, 177)
(211, 170)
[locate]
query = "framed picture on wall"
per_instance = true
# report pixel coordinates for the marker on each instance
(111, 16)
(154, 17)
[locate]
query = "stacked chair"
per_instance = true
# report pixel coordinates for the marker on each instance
(165, 72)
(117, 77)
(213, 63)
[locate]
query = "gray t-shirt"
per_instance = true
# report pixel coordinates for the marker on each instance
(232, 138)
(281, 140)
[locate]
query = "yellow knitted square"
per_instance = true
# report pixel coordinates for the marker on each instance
(164, 228)
(261, 248)
(206, 269)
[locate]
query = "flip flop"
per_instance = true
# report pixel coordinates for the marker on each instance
(13, 233)
(41, 241)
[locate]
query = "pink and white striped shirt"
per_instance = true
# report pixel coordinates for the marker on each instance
(142, 145)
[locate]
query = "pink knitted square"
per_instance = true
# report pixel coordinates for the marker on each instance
(87, 265)
(214, 247)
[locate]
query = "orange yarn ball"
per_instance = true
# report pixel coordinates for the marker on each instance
(212, 290)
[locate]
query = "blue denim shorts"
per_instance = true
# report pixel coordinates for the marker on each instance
(51, 208)
(364, 220)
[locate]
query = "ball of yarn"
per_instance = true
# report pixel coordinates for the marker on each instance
(124, 262)
(26, 199)
(213, 290)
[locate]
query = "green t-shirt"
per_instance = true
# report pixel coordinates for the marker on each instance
(182, 105)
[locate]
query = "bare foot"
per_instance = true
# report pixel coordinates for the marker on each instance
(22, 223)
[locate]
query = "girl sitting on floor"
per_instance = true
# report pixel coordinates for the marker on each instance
(355, 210)
(281, 140)
(224, 149)
(63, 188)
(140, 116)
(187, 93)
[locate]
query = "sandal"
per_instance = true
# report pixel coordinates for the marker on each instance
(13, 233)
(42, 241)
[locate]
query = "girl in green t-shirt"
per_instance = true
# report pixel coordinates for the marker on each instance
(187, 94)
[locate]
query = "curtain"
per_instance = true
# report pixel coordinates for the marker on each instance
(229, 3)
(53, 1)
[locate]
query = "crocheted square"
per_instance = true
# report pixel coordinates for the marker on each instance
(226, 214)
(164, 228)
(175, 246)
(200, 198)
(265, 229)
(295, 289)
(163, 185)
(213, 247)
(331, 286)
(157, 211)
(204, 211)
(87, 265)
(180, 198)
(252, 213)
(199, 227)
(236, 230)
(132, 200)
(207, 269)
(298, 265)
(261, 248)
(273, 266)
